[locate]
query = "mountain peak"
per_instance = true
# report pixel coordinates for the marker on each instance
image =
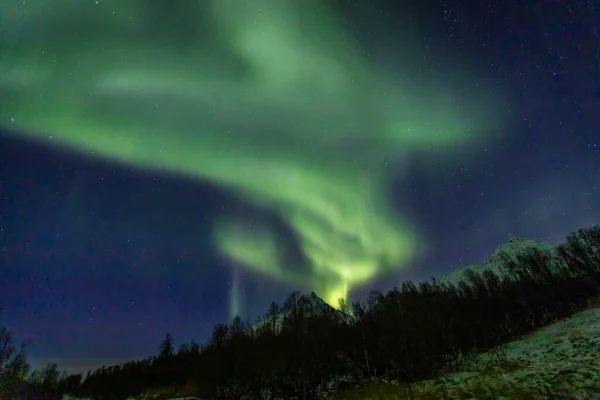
(511, 250)
(312, 304)
(317, 303)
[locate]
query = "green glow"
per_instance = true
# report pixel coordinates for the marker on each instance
(234, 295)
(268, 99)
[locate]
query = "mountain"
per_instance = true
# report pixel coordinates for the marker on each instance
(319, 306)
(512, 249)
(313, 305)
(310, 305)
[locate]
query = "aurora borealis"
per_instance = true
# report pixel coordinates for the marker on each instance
(166, 165)
(272, 101)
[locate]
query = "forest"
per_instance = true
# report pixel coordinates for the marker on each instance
(304, 349)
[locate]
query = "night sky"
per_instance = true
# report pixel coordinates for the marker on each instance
(167, 165)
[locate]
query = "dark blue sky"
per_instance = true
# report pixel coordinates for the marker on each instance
(98, 261)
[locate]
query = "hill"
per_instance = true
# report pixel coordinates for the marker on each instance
(562, 359)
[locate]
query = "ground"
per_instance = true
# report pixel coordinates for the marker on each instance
(559, 361)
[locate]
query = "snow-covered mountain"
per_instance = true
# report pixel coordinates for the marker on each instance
(512, 249)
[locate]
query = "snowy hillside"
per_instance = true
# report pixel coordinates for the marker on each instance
(512, 250)
(563, 357)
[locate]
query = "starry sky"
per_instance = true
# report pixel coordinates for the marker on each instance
(165, 166)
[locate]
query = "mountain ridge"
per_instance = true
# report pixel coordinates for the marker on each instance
(311, 305)
(512, 249)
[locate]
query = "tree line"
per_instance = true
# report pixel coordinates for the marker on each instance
(417, 331)
(18, 382)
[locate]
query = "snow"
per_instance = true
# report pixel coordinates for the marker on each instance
(512, 249)
(563, 358)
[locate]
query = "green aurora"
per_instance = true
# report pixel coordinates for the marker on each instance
(273, 101)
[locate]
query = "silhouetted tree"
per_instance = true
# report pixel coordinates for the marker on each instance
(166, 348)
